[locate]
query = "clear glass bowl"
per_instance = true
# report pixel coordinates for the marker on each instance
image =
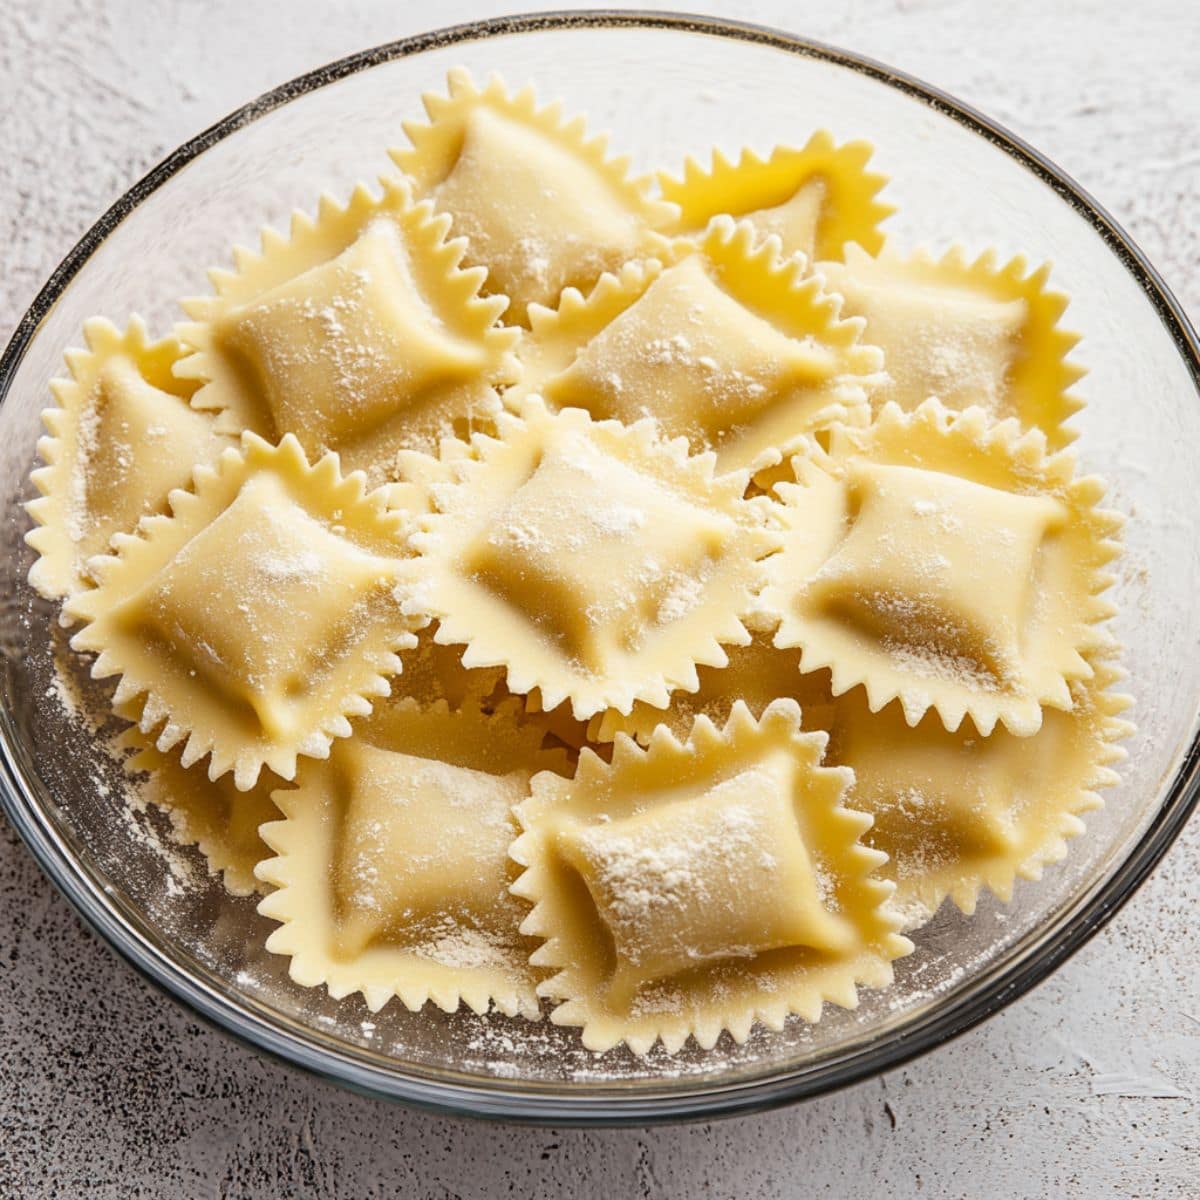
(665, 86)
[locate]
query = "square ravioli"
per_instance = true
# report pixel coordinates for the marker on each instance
(423, 845)
(945, 341)
(392, 871)
(694, 887)
(357, 332)
(533, 210)
(689, 354)
(144, 442)
(720, 875)
(593, 551)
(260, 602)
(934, 795)
(968, 331)
(595, 562)
(541, 204)
(123, 436)
(722, 341)
(349, 343)
(958, 813)
(816, 198)
(947, 561)
(258, 617)
(907, 573)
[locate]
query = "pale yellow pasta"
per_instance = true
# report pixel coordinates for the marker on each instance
(742, 832)
(592, 560)
(540, 203)
(691, 888)
(815, 198)
(123, 436)
(755, 674)
(970, 332)
(220, 821)
(948, 562)
(728, 345)
(392, 868)
(258, 617)
(358, 333)
(959, 812)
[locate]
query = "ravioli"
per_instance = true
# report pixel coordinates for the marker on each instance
(358, 333)
(958, 812)
(124, 435)
(970, 332)
(591, 560)
(220, 821)
(692, 888)
(257, 617)
(540, 204)
(347, 344)
(651, 877)
(948, 563)
(392, 862)
(816, 198)
(730, 347)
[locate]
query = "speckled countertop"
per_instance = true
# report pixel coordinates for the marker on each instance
(1090, 1087)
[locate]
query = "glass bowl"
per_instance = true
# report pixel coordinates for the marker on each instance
(665, 85)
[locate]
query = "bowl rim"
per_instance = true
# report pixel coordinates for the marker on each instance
(1023, 966)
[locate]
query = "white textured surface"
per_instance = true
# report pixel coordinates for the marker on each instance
(1090, 1087)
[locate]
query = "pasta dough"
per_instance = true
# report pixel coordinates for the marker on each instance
(816, 198)
(541, 205)
(641, 870)
(756, 674)
(968, 332)
(591, 560)
(729, 347)
(220, 821)
(694, 887)
(391, 861)
(257, 617)
(122, 437)
(948, 563)
(957, 812)
(358, 333)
